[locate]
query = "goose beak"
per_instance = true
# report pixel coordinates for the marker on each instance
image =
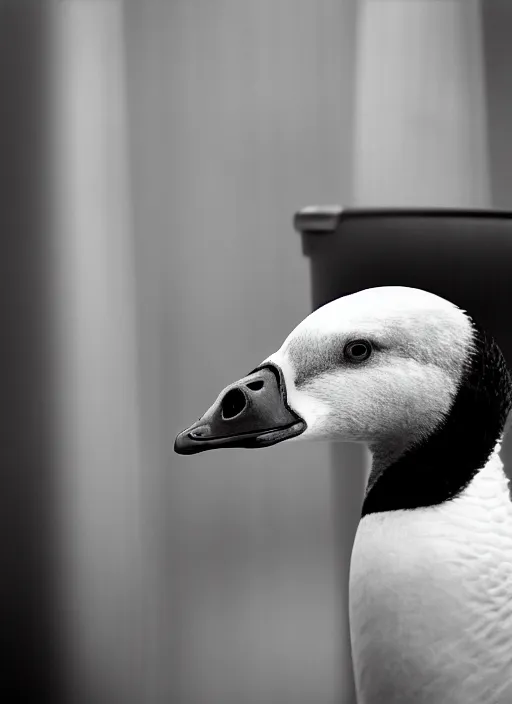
(252, 412)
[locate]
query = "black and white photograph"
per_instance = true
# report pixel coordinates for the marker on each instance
(257, 351)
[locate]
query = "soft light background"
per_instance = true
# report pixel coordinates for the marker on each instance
(153, 156)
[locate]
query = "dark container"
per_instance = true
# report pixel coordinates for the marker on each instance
(464, 256)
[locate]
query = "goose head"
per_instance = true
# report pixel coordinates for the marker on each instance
(400, 369)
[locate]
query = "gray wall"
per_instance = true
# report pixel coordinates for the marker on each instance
(152, 157)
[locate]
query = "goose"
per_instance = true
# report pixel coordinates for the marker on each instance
(417, 380)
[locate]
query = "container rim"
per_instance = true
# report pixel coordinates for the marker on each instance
(326, 219)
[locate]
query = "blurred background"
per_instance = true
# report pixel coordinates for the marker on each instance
(152, 156)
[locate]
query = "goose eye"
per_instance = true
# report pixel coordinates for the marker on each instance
(357, 350)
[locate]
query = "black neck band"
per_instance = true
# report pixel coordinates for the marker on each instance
(442, 466)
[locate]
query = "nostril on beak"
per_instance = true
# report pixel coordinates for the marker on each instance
(200, 432)
(255, 385)
(233, 403)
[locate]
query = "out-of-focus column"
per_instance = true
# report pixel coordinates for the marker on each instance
(420, 105)
(497, 23)
(240, 112)
(28, 603)
(96, 355)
